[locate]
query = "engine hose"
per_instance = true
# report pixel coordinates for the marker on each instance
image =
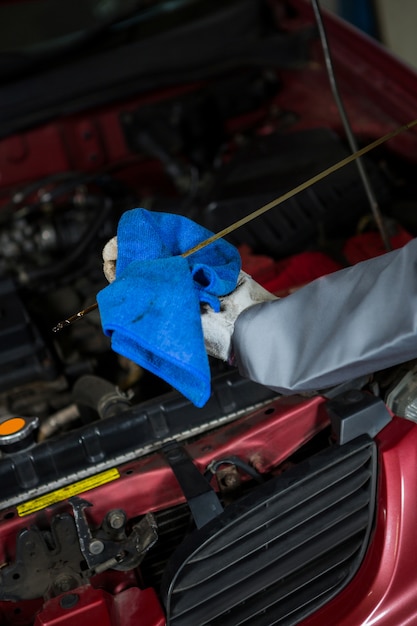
(99, 394)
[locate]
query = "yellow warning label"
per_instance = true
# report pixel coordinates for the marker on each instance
(67, 492)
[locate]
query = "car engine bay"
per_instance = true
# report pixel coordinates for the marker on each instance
(120, 501)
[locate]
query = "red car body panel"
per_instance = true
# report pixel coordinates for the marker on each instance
(383, 590)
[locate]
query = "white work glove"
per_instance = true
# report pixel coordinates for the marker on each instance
(109, 259)
(217, 327)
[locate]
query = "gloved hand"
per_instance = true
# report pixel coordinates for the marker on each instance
(151, 309)
(217, 326)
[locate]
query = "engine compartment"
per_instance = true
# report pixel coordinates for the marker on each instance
(119, 469)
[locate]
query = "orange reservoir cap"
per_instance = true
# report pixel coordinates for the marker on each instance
(17, 433)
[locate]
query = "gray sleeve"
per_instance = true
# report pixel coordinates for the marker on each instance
(342, 326)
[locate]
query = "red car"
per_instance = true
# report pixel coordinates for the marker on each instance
(121, 502)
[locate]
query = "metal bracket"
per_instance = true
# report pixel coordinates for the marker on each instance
(201, 497)
(102, 553)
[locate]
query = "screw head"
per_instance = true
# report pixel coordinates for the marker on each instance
(116, 519)
(96, 546)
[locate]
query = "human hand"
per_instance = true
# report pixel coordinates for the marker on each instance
(218, 327)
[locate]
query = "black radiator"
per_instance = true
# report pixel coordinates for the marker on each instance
(281, 552)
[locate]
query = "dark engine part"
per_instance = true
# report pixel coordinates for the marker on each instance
(271, 166)
(190, 131)
(50, 228)
(24, 356)
(138, 60)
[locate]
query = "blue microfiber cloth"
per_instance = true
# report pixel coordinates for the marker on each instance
(152, 310)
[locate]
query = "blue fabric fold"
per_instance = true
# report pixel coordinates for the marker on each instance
(152, 310)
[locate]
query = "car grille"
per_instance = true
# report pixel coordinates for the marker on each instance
(282, 551)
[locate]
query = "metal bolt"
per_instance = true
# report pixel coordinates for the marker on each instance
(116, 519)
(230, 480)
(96, 546)
(64, 582)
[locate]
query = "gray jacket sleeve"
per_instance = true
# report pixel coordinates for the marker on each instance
(342, 326)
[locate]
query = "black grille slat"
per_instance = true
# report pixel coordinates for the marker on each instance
(309, 491)
(278, 547)
(258, 562)
(250, 583)
(293, 520)
(270, 600)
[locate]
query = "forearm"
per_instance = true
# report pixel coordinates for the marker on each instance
(342, 326)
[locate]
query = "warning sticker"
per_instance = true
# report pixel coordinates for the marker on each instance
(67, 492)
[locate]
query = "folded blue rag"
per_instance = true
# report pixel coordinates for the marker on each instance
(152, 310)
